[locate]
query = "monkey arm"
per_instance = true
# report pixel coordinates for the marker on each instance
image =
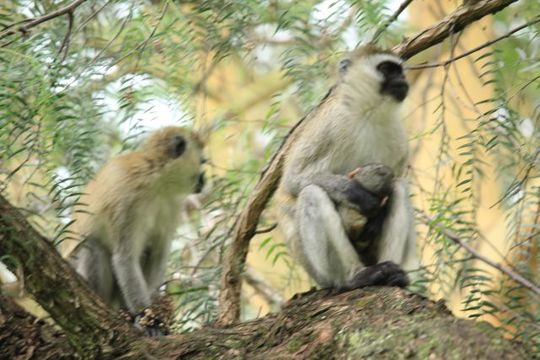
(340, 188)
(155, 266)
(130, 277)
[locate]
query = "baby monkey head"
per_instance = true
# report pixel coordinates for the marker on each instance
(369, 68)
(376, 178)
(178, 153)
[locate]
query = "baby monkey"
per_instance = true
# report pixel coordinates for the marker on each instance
(377, 180)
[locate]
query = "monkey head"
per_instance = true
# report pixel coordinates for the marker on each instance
(376, 178)
(368, 68)
(177, 154)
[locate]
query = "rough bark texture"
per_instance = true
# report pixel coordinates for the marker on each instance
(464, 15)
(86, 320)
(373, 323)
(24, 337)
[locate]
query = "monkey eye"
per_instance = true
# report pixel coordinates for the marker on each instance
(178, 146)
(344, 65)
(390, 69)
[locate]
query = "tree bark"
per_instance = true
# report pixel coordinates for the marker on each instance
(91, 327)
(22, 336)
(371, 323)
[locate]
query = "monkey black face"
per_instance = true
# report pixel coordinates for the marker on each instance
(394, 83)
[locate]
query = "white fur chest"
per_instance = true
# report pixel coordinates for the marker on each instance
(158, 217)
(370, 138)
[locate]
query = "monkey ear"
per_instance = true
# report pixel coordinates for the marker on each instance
(343, 66)
(178, 146)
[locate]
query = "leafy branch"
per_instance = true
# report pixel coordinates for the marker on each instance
(25, 25)
(456, 239)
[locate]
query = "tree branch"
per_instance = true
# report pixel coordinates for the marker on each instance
(263, 287)
(455, 22)
(235, 257)
(359, 324)
(389, 22)
(24, 337)
(455, 238)
(89, 324)
(473, 50)
(27, 24)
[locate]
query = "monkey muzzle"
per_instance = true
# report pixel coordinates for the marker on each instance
(397, 87)
(200, 183)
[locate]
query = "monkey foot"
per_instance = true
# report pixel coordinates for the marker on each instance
(384, 274)
(150, 324)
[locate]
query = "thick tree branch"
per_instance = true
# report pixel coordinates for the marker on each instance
(87, 321)
(475, 49)
(378, 322)
(24, 337)
(245, 228)
(464, 15)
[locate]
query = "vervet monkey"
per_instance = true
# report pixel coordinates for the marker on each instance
(356, 124)
(128, 215)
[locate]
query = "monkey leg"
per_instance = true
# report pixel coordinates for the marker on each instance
(328, 255)
(398, 239)
(92, 262)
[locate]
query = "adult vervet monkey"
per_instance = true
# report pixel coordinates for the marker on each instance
(358, 123)
(128, 215)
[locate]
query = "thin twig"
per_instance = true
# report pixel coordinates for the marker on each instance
(455, 238)
(30, 23)
(267, 229)
(263, 287)
(473, 50)
(389, 22)
(65, 43)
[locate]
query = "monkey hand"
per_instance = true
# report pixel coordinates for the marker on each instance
(383, 274)
(353, 173)
(150, 324)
